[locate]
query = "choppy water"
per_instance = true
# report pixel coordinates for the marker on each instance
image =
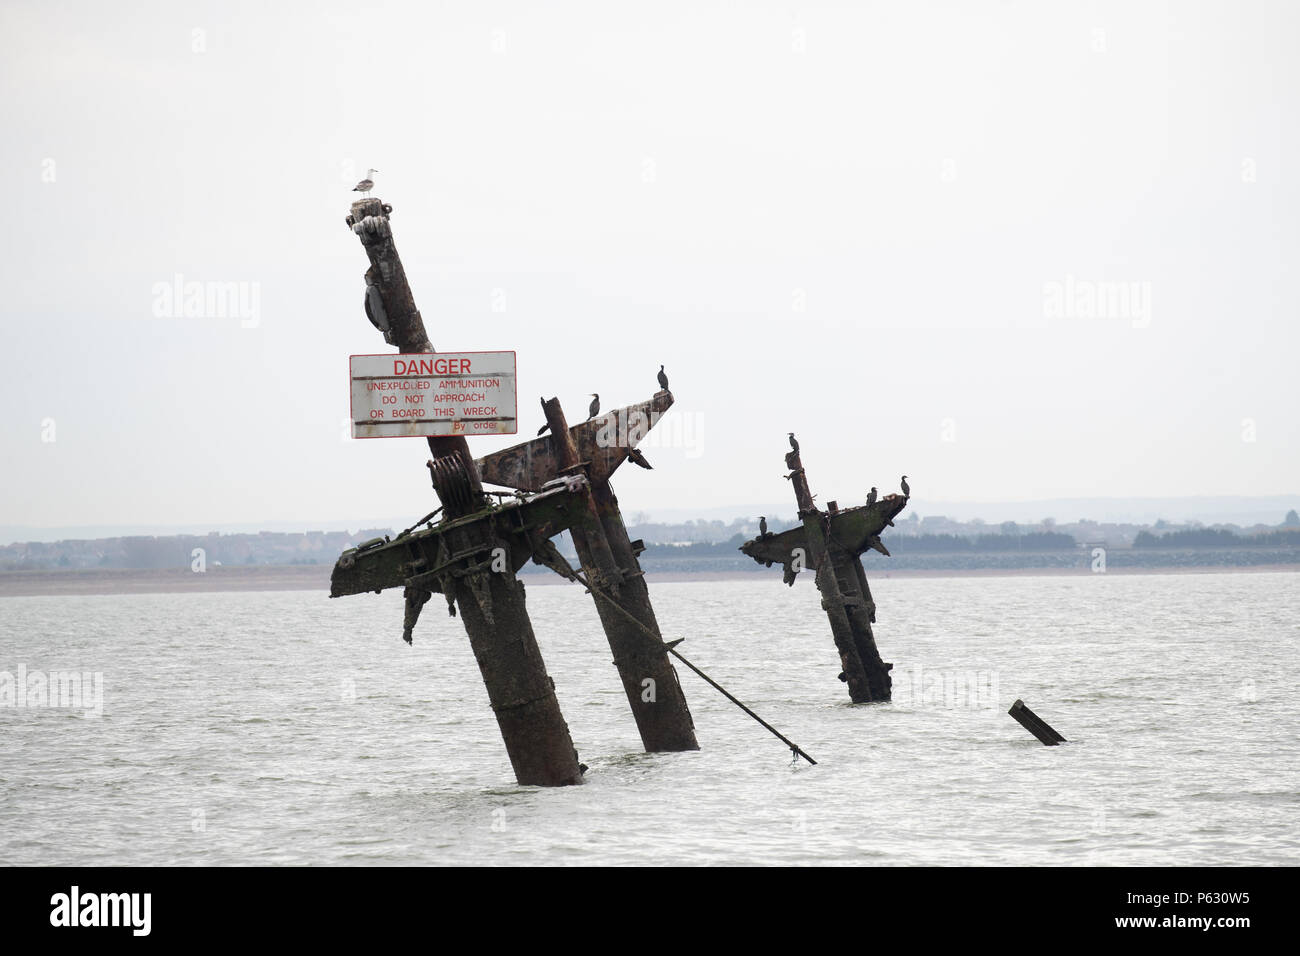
(287, 728)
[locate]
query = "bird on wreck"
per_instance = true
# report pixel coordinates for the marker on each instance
(366, 184)
(762, 526)
(594, 410)
(871, 496)
(663, 379)
(794, 443)
(907, 492)
(875, 544)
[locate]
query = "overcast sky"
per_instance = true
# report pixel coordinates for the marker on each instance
(878, 225)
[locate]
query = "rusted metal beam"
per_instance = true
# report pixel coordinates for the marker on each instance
(391, 307)
(605, 550)
(588, 537)
(603, 443)
(854, 530)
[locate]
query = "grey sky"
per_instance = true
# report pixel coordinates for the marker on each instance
(841, 219)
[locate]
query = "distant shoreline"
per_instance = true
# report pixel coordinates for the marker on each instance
(316, 578)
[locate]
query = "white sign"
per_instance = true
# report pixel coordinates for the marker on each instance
(434, 393)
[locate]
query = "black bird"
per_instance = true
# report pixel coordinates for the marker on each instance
(594, 410)
(639, 459)
(907, 492)
(871, 496)
(663, 379)
(794, 443)
(762, 526)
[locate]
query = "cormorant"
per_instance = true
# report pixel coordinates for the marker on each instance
(794, 443)
(762, 526)
(663, 379)
(594, 410)
(871, 496)
(907, 492)
(639, 459)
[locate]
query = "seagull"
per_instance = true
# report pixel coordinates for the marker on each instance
(594, 410)
(871, 496)
(794, 443)
(663, 379)
(366, 184)
(907, 492)
(762, 526)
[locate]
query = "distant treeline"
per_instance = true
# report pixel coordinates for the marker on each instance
(183, 551)
(1217, 538)
(948, 543)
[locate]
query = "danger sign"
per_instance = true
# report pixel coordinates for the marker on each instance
(434, 393)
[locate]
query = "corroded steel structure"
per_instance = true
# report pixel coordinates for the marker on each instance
(595, 449)
(831, 543)
(471, 555)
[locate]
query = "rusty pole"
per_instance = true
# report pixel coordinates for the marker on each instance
(845, 597)
(491, 602)
(649, 678)
(394, 313)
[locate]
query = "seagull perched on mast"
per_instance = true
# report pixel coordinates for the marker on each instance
(366, 184)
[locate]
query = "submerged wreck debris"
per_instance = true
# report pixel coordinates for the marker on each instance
(471, 555)
(1035, 725)
(830, 543)
(593, 450)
